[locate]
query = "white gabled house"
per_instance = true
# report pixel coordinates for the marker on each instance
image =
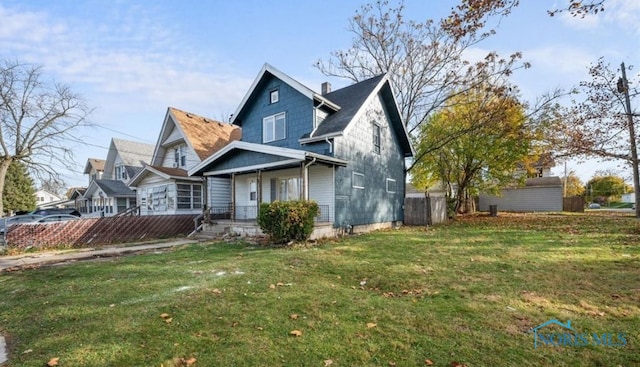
(109, 195)
(163, 187)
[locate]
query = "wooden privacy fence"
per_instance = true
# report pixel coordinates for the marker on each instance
(425, 211)
(573, 204)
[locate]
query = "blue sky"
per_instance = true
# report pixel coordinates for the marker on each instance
(133, 59)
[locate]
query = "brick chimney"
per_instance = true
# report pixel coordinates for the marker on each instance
(325, 88)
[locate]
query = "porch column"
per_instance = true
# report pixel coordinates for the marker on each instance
(303, 181)
(258, 190)
(233, 197)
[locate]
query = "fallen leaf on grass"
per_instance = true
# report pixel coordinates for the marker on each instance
(53, 362)
(216, 291)
(164, 315)
(190, 361)
(27, 351)
(293, 316)
(168, 320)
(428, 362)
(371, 325)
(391, 363)
(295, 333)
(280, 284)
(457, 364)
(328, 362)
(272, 286)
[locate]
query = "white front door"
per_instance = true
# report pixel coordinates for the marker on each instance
(251, 211)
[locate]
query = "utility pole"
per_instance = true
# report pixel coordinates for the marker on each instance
(623, 87)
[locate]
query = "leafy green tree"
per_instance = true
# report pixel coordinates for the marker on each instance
(19, 194)
(573, 185)
(484, 160)
(607, 188)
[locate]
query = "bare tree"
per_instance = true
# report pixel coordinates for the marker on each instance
(37, 120)
(425, 60)
(602, 123)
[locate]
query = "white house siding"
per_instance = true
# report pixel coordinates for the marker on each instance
(169, 157)
(525, 199)
(169, 205)
(321, 187)
(629, 198)
(219, 190)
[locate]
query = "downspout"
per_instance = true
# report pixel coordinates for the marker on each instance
(330, 145)
(315, 118)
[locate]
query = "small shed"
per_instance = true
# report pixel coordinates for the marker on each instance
(541, 194)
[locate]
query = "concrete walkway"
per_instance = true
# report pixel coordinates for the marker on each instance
(33, 260)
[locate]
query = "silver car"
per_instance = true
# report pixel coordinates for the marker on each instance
(16, 219)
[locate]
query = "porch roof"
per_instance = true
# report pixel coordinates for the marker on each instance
(279, 158)
(166, 173)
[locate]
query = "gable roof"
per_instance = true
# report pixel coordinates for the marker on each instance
(112, 188)
(268, 71)
(131, 153)
(350, 99)
(164, 172)
(95, 163)
(291, 154)
(204, 135)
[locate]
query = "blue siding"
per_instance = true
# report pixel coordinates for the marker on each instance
(373, 204)
(239, 159)
(297, 107)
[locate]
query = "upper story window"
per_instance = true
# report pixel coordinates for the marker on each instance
(274, 96)
(180, 156)
(357, 180)
(274, 128)
(376, 138)
(121, 173)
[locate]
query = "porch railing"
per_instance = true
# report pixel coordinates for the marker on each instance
(250, 213)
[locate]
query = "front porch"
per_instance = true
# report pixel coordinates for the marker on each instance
(240, 221)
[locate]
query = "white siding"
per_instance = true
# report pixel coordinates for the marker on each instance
(321, 188)
(192, 158)
(526, 199)
(219, 190)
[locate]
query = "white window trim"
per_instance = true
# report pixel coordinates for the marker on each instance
(377, 148)
(273, 118)
(387, 185)
(353, 174)
(276, 93)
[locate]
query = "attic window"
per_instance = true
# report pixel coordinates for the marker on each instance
(376, 138)
(274, 96)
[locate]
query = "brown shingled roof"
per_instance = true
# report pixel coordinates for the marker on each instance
(179, 172)
(206, 135)
(95, 163)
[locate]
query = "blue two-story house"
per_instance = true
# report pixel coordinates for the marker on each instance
(345, 149)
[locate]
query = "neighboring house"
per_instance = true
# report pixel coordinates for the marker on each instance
(344, 149)
(44, 197)
(110, 194)
(629, 197)
(543, 194)
(94, 169)
(185, 140)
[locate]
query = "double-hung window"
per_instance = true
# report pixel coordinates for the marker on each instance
(376, 138)
(357, 180)
(274, 127)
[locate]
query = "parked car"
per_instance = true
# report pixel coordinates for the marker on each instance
(52, 211)
(594, 206)
(57, 218)
(16, 219)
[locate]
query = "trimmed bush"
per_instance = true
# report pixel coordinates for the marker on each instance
(286, 221)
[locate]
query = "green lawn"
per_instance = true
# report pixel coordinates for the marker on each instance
(467, 292)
